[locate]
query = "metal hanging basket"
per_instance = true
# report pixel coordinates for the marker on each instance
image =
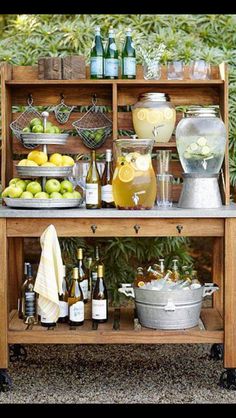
(23, 121)
(62, 111)
(94, 127)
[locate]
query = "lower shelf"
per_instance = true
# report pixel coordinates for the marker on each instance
(210, 330)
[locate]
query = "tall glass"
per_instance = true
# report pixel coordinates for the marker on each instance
(134, 180)
(163, 161)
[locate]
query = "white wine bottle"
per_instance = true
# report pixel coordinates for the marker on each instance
(106, 181)
(63, 299)
(100, 298)
(83, 275)
(93, 185)
(75, 301)
(29, 298)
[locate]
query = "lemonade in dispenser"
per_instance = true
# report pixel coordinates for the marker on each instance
(134, 180)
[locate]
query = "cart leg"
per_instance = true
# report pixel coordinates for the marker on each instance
(230, 303)
(228, 379)
(3, 296)
(218, 272)
(5, 381)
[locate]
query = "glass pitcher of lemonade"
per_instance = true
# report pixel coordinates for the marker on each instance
(134, 180)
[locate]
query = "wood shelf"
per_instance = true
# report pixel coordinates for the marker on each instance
(210, 332)
(162, 82)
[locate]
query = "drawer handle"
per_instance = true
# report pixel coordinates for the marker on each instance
(137, 228)
(179, 228)
(93, 227)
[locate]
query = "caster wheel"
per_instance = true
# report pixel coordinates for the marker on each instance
(5, 381)
(217, 352)
(228, 379)
(17, 352)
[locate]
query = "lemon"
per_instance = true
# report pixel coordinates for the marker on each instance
(168, 114)
(48, 164)
(142, 163)
(28, 163)
(141, 283)
(67, 160)
(141, 114)
(154, 116)
(131, 156)
(205, 150)
(126, 173)
(56, 159)
(38, 157)
(193, 146)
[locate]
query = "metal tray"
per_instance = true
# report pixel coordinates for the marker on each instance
(43, 139)
(25, 171)
(43, 203)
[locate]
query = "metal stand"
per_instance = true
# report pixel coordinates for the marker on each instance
(228, 379)
(217, 352)
(5, 381)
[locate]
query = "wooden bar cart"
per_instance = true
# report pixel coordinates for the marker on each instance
(218, 323)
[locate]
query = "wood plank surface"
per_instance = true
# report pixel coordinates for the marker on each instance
(224, 105)
(24, 227)
(16, 270)
(3, 296)
(218, 272)
(6, 155)
(230, 294)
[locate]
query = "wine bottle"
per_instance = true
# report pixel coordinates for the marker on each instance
(128, 58)
(97, 56)
(29, 298)
(95, 265)
(90, 281)
(83, 274)
(75, 301)
(63, 299)
(111, 61)
(100, 298)
(106, 183)
(93, 185)
(20, 298)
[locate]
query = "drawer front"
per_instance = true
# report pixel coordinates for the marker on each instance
(117, 227)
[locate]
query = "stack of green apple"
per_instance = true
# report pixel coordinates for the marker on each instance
(27, 189)
(36, 126)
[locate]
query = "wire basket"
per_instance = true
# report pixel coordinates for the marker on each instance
(23, 121)
(93, 127)
(62, 111)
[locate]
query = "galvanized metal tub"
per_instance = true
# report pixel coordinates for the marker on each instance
(160, 309)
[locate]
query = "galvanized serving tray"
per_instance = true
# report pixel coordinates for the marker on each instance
(43, 203)
(28, 171)
(43, 139)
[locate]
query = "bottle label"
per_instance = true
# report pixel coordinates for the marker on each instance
(107, 195)
(91, 194)
(45, 320)
(129, 66)
(113, 46)
(111, 67)
(63, 309)
(76, 312)
(30, 303)
(84, 288)
(96, 66)
(99, 309)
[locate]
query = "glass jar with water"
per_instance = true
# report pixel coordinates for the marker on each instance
(201, 139)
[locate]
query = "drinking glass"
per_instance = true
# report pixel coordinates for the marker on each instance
(200, 70)
(163, 161)
(79, 174)
(175, 70)
(151, 70)
(164, 190)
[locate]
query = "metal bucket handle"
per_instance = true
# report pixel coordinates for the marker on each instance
(209, 288)
(127, 291)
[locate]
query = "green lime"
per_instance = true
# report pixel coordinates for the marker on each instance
(98, 136)
(35, 121)
(26, 129)
(56, 129)
(37, 129)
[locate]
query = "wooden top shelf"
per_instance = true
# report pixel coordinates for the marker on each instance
(209, 331)
(162, 82)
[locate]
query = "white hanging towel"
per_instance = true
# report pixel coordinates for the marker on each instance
(48, 283)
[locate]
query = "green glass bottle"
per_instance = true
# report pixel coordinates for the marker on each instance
(97, 56)
(128, 57)
(111, 61)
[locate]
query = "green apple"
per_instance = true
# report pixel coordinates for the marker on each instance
(22, 184)
(26, 130)
(33, 187)
(68, 195)
(14, 181)
(5, 192)
(55, 195)
(41, 195)
(37, 129)
(52, 185)
(76, 194)
(57, 129)
(66, 186)
(26, 195)
(35, 121)
(14, 191)
(27, 182)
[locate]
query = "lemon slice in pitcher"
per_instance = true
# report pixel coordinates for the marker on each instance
(126, 173)
(142, 163)
(141, 114)
(154, 116)
(168, 114)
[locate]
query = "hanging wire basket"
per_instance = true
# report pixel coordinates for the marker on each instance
(23, 121)
(62, 111)
(93, 127)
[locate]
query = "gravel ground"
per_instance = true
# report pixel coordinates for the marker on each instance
(117, 374)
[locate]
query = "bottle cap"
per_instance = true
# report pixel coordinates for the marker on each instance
(80, 253)
(75, 273)
(108, 154)
(100, 270)
(25, 268)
